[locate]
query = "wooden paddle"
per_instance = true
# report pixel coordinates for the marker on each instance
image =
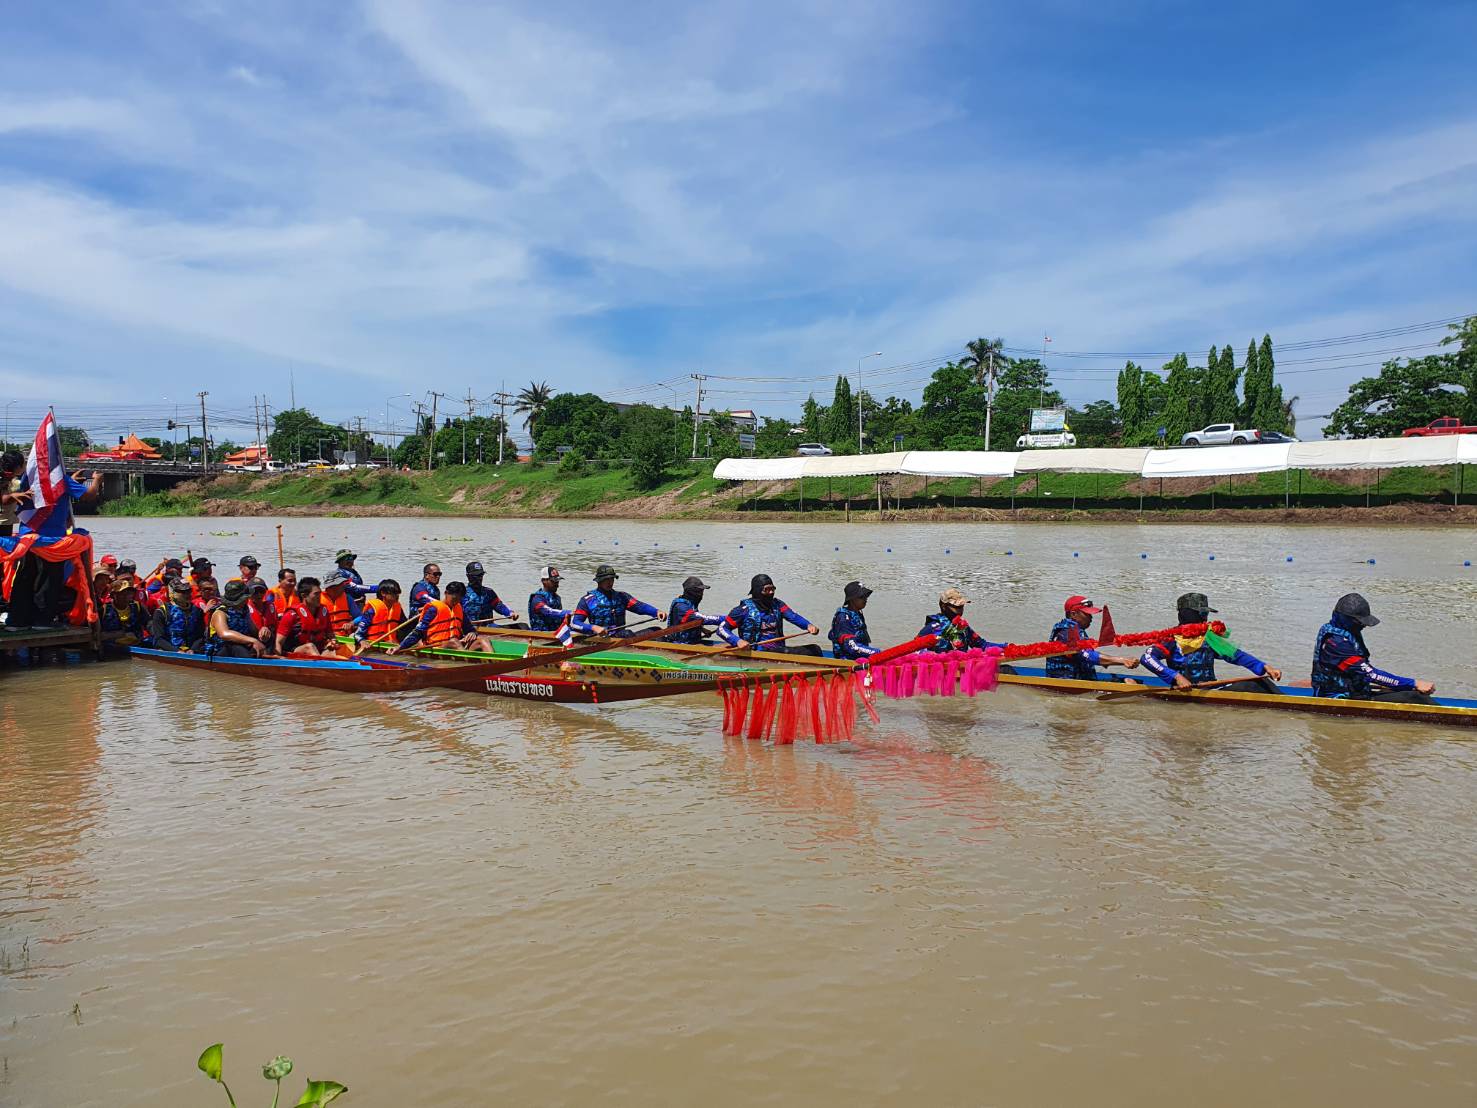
(757, 645)
(553, 657)
(356, 651)
(1118, 694)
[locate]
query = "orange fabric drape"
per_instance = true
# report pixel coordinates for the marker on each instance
(75, 548)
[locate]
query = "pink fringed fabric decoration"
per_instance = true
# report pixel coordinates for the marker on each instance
(953, 673)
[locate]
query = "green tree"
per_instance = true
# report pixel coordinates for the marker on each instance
(953, 405)
(885, 421)
(646, 439)
(841, 416)
(1132, 406)
(1184, 408)
(1023, 384)
(1099, 423)
(773, 438)
(1271, 412)
(813, 417)
(1407, 393)
(531, 403)
(1251, 387)
(578, 419)
(981, 357)
(1464, 365)
(74, 440)
(298, 434)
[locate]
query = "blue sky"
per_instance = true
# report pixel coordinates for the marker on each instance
(379, 198)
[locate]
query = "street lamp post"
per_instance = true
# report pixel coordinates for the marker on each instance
(860, 449)
(394, 396)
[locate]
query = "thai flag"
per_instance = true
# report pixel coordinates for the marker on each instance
(46, 479)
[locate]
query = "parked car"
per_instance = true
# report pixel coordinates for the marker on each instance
(1221, 434)
(1277, 436)
(1446, 425)
(315, 463)
(814, 450)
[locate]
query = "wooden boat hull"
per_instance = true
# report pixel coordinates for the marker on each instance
(1446, 711)
(561, 690)
(318, 673)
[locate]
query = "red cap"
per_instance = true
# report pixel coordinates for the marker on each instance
(1080, 604)
(109, 560)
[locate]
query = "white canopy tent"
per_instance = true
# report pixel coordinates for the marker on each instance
(1085, 460)
(1206, 461)
(959, 463)
(1217, 461)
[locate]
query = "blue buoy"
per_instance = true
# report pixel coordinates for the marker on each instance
(546, 542)
(1075, 554)
(741, 546)
(889, 550)
(1212, 557)
(1289, 557)
(835, 548)
(1371, 561)
(947, 550)
(1010, 553)
(580, 542)
(785, 547)
(1144, 556)
(1467, 564)
(616, 541)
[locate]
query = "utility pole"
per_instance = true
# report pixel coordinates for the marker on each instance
(256, 414)
(204, 434)
(266, 431)
(502, 398)
(697, 415)
(989, 398)
(471, 406)
(431, 443)
(859, 441)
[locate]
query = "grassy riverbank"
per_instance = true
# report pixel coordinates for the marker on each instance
(691, 492)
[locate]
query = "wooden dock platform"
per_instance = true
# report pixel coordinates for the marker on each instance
(89, 638)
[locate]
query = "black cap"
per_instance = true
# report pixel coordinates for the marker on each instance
(235, 592)
(201, 565)
(550, 573)
(174, 563)
(128, 564)
(250, 561)
(694, 584)
(855, 589)
(605, 571)
(474, 569)
(1194, 602)
(759, 583)
(256, 584)
(1355, 607)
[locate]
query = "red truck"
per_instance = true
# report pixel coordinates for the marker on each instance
(1446, 425)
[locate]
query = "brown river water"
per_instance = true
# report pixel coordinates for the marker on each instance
(439, 898)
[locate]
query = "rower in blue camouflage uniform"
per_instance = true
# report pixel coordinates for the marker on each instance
(758, 621)
(1190, 659)
(546, 610)
(1341, 667)
(952, 629)
(481, 601)
(685, 608)
(849, 635)
(1081, 665)
(603, 609)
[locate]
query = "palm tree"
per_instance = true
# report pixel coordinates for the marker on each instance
(982, 358)
(531, 403)
(1289, 414)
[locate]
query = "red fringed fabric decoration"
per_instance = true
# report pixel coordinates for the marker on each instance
(821, 707)
(1017, 651)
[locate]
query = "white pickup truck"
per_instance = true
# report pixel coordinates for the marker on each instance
(1220, 434)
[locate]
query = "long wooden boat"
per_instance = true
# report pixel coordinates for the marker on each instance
(367, 675)
(1449, 711)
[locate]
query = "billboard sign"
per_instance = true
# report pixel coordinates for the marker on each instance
(1047, 421)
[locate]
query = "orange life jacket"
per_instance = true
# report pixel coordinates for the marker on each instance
(383, 618)
(338, 611)
(283, 598)
(446, 623)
